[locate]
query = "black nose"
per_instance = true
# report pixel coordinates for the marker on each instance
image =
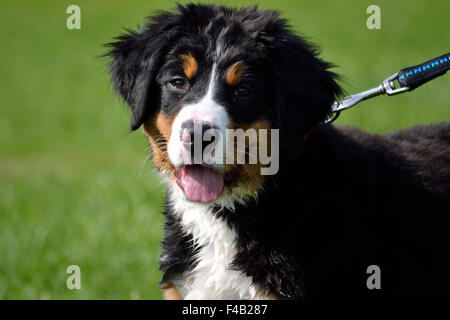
(191, 128)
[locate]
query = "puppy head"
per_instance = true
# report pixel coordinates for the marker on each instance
(205, 70)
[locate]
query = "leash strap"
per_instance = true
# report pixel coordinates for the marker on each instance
(416, 76)
(408, 80)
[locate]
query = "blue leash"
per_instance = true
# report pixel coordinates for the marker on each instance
(408, 80)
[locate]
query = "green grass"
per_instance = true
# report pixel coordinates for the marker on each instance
(70, 188)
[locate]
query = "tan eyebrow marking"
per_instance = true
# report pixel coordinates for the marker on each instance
(190, 65)
(235, 73)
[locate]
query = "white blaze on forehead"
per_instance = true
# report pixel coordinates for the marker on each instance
(205, 110)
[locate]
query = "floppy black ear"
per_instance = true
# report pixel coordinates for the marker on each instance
(136, 58)
(304, 89)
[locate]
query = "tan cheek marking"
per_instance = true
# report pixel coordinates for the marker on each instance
(262, 294)
(171, 291)
(247, 176)
(235, 73)
(158, 130)
(164, 124)
(190, 65)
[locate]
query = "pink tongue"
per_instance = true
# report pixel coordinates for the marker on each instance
(200, 183)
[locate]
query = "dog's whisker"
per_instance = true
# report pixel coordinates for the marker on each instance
(143, 164)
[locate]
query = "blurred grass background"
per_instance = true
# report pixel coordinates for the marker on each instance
(70, 188)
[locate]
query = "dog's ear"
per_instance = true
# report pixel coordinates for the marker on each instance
(304, 89)
(136, 58)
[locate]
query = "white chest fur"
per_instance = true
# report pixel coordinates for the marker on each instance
(212, 278)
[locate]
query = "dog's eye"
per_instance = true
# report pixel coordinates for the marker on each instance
(178, 83)
(241, 91)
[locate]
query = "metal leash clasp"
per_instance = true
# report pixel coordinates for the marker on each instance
(386, 87)
(389, 85)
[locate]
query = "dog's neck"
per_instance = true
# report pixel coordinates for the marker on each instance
(216, 243)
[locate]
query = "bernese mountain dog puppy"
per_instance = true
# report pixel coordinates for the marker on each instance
(343, 202)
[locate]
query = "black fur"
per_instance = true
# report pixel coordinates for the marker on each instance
(343, 200)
